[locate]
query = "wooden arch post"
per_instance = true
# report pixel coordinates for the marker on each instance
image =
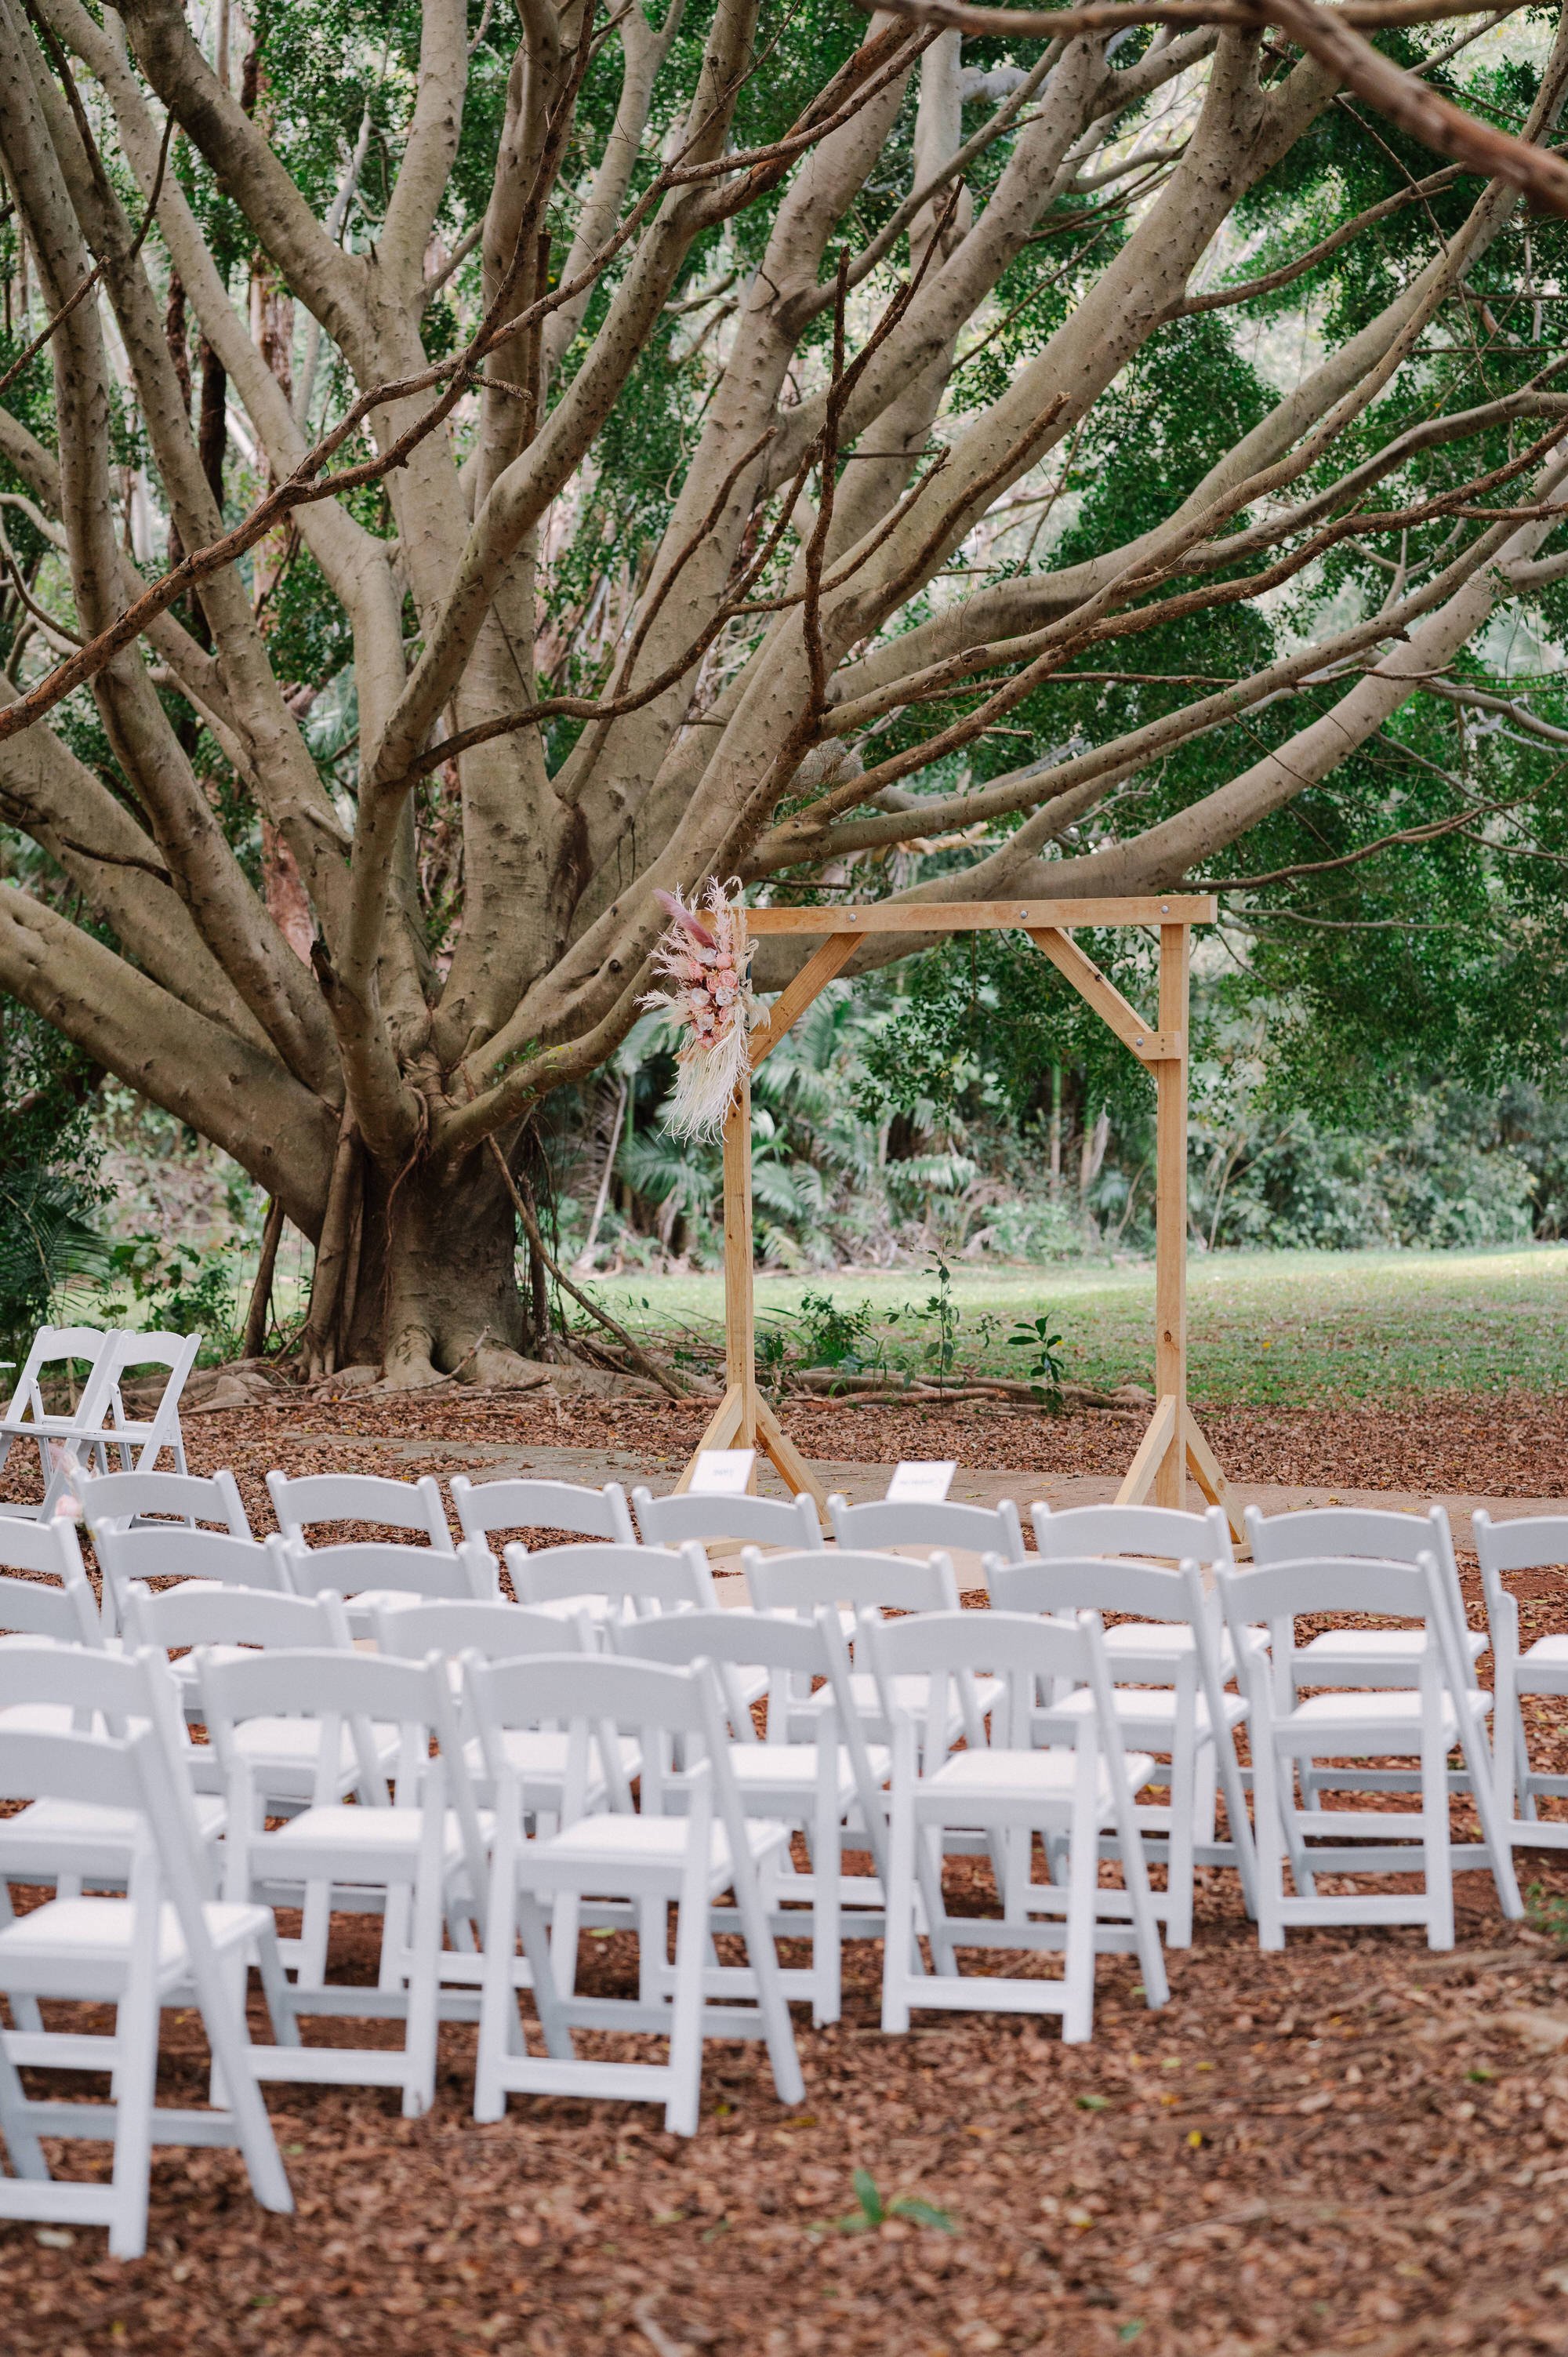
(1174, 1444)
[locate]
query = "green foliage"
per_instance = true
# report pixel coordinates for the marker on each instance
(179, 1290)
(871, 2210)
(50, 1250)
(1044, 1372)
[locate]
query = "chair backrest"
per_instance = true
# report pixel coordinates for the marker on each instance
(66, 1613)
(1164, 1532)
(944, 1522)
(643, 1578)
(175, 1551)
(487, 1506)
(799, 1583)
(1358, 1533)
(1315, 1534)
(339, 1689)
(122, 1500)
(792, 1652)
(174, 1353)
(309, 1498)
(495, 1632)
(361, 1564)
(1527, 1542)
(198, 1614)
(1142, 1591)
(1278, 1595)
(592, 1696)
(110, 1693)
(50, 1345)
(700, 1515)
(50, 1547)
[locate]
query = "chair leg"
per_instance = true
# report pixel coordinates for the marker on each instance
(898, 1925)
(827, 1908)
(547, 1998)
(693, 1937)
(1269, 1847)
(424, 1992)
(1495, 1827)
(1178, 1850)
(136, 2063)
(1436, 1836)
(21, 2143)
(496, 1990)
(1083, 1883)
(276, 1989)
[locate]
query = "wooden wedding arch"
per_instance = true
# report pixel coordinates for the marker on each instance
(1174, 1444)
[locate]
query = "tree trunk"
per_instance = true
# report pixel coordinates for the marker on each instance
(438, 1292)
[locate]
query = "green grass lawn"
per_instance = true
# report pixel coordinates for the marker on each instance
(1266, 1327)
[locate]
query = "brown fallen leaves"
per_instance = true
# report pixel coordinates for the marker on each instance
(1351, 2147)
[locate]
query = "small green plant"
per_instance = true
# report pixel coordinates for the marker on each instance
(871, 2210)
(1547, 1912)
(942, 1312)
(1044, 1373)
(843, 1339)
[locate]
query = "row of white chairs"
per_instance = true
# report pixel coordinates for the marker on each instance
(306, 1504)
(879, 1767)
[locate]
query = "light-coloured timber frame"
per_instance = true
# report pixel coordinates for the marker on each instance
(1173, 1444)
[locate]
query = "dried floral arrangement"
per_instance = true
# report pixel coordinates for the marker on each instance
(705, 955)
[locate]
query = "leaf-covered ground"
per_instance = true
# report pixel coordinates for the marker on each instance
(1351, 2147)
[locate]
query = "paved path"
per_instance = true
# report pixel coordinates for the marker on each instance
(595, 1466)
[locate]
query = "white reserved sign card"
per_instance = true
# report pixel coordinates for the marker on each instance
(723, 1472)
(922, 1482)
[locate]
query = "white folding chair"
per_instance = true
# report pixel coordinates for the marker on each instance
(855, 1581)
(162, 1943)
(608, 1579)
(1433, 1707)
(27, 1417)
(141, 1440)
(1373, 1657)
(308, 1500)
(487, 1506)
(56, 1602)
(688, 1843)
(420, 1859)
(1169, 1701)
(124, 1500)
(411, 1630)
(936, 1523)
(818, 1788)
(1533, 1542)
(175, 1551)
(232, 1622)
(703, 1515)
(370, 1572)
(1074, 1791)
(1146, 1533)
(85, 1690)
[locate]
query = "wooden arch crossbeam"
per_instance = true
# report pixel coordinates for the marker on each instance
(1174, 1444)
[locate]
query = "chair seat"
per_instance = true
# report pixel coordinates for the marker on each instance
(1159, 1641)
(972, 1777)
(538, 1754)
(79, 1820)
(86, 1932)
(1148, 1705)
(778, 1768)
(373, 1835)
(1365, 1710)
(1547, 1652)
(296, 1743)
(1379, 1645)
(910, 1694)
(613, 1840)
